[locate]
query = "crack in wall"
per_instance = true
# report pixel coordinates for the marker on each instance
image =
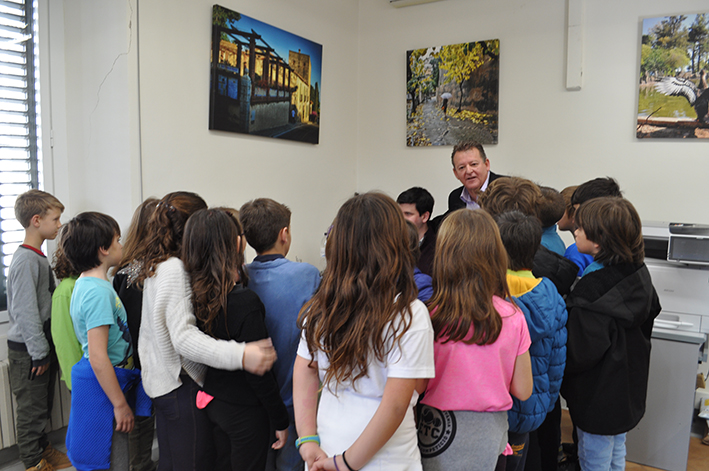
(113, 65)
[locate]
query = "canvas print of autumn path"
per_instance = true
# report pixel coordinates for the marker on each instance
(452, 93)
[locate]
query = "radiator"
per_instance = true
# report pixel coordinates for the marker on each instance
(60, 409)
(7, 408)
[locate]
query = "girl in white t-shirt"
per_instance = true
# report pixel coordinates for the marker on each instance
(481, 349)
(370, 342)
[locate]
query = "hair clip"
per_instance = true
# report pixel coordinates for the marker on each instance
(170, 208)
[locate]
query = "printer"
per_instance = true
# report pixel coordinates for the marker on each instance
(677, 256)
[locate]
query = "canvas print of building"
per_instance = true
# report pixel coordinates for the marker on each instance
(674, 69)
(264, 80)
(452, 94)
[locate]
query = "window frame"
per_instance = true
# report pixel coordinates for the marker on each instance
(19, 62)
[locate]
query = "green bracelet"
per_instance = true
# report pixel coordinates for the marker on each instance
(309, 438)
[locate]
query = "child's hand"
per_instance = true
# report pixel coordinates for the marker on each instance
(40, 370)
(281, 437)
(311, 452)
(259, 356)
(328, 464)
(124, 418)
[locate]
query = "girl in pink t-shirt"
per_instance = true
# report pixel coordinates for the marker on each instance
(481, 350)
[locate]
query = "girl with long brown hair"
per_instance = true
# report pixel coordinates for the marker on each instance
(368, 340)
(141, 437)
(242, 406)
(481, 348)
(174, 353)
(129, 268)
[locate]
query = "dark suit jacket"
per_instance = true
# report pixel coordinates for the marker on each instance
(454, 201)
(428, 250)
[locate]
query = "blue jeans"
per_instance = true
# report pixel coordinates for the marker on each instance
(601, 452)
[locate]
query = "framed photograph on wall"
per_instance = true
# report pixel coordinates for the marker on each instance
(452, 94)
(673, 98)
(264, 81)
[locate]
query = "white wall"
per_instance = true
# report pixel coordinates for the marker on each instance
(89, 66)
(547, 134)
(151, 115)
(180, 153)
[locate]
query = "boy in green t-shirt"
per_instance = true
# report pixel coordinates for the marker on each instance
(67, 346)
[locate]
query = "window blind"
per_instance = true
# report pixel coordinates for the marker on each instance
(19, 122)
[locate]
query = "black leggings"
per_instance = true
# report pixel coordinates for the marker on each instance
(241, 435)
(544, 443)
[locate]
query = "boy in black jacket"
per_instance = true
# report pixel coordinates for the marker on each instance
(611, 314)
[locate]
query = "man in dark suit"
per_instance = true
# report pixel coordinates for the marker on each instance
(472, 168)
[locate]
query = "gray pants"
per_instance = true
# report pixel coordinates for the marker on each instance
(34, 401)
(141, 444)
(120, 460)
(461, 440)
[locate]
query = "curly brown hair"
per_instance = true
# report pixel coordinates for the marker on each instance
(356, 316)
(469, 268)
(60, 264)
(134, 241)
(165, 230)
(511, 194)
(213, 258)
